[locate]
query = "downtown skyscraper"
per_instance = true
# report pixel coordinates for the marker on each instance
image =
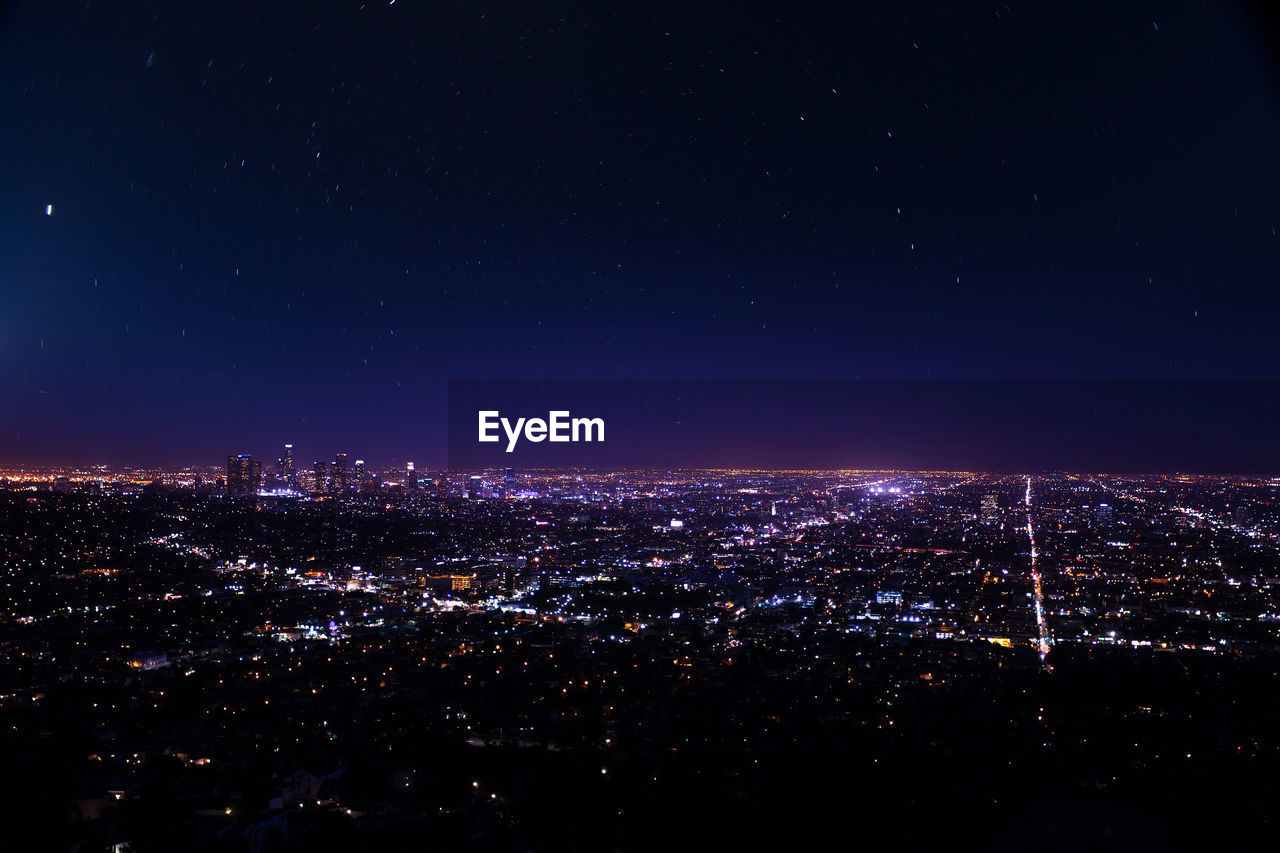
(244, 474)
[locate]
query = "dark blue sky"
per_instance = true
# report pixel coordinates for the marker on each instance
(295, 221)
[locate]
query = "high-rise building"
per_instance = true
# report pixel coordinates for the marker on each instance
(508, 483)
(240, 475)
(284, 467)
(338, 473)
(410, 477)
(319, 477)
(234, 480)
(360, 482)
(474, 493)
(1102, 516)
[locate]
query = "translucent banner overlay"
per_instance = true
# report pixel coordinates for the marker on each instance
(1097, 426)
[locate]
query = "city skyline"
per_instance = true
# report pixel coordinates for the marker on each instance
(1140, 427)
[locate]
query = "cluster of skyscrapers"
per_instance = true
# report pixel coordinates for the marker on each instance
(245, 477)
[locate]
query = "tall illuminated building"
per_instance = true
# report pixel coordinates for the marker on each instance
(338, 472)
(234, 480)
(242, 474)
(319, 476)
(508, 483)
(284, 466)
(360, 481)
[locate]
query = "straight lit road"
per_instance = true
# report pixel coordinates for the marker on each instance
(1042, 628)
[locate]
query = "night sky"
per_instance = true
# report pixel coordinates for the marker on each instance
(294, 222)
